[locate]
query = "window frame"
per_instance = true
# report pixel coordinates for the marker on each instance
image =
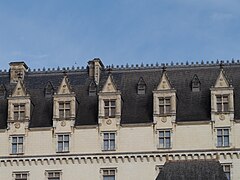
(164, 138)
(107, 172)
(110, 109)
(222, 103)
(63, 142)
(19, 144)
(53, 172)
(18, 110)
(221, 138)
(21, 173)
(109, 140)
(165, 105)
(64, 109)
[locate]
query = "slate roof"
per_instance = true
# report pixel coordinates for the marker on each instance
(137, 108)
(192, 170)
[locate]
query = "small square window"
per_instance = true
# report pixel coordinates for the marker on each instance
(223, 137)
(109, 141)
(53, 175)
(17, 144)
(63, 143)
(164, 138)
(109, 174)
(21, 175)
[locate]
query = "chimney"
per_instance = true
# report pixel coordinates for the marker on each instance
(94, 69)
(17, 71)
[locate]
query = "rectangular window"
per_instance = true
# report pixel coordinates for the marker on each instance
(17, 144)
(227, 170)
(109, 141)
(63, 143)
(164, 139)
(109, 108)
(223, 137)
(222, 103)
(64, 109)
(19, 111)
(20, 176)
(54, 175)
(164, 105)
(109, 174)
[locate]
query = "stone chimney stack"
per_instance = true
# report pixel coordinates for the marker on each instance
(17, 71)
(94, 69)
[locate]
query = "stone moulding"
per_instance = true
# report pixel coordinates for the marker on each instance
(156, 156)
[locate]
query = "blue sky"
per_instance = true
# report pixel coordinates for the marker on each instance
(52, 33)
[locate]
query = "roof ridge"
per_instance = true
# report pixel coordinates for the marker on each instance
(201, 63)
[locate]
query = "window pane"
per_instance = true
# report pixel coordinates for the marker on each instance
(112, 144)
(161, 109)
(14, 148)
(60, 146)
(161, 101)
(67, 113)
(106, 103)
(167, 133)
(168, 108)
(167, 100)
(106, 135)
(112, 136)
(112, 112)
(219, 107)
(60, 137)
(226, 141)
(226, 131)
(14, 139)
(105, 144)
(161, 133)
(20, 139)
(61, 113)
(225, 98)
(67, 105)
(219, 99)
(20, 148)
(113, 103)
(168, 143)
(219, 141)
(225, 107)
(61, 105)
(219, 132)
(66, 138)
(106, 112)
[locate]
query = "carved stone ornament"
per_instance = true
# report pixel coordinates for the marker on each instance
(109, 122)
(164, 119)
(63, 123)
(17, 125)
(222, 117)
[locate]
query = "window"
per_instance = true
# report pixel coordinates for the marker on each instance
(141, 86)
(17, 144)
(222, 137)
(227, 170)
(109, 108)
(164, 139)
(53, 175)
(164, 105)
(63, 143)
(109, 174)
(19, 111)
(64, 109)
(222, 103)
(109, 141)
(20, 175)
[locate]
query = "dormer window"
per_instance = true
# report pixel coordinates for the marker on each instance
(222, 103)
(64, 109)
(92, 89)
(19, 111)
(141, 86)
(109, 108)
(48, 90)
(195, 84)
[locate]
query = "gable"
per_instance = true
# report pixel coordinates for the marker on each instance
(64, 87)
(109, 85)
(221, 80)
(164, 83)
(19, 90)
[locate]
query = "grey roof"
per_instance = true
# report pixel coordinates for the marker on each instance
(137, 108)
(192, 169)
